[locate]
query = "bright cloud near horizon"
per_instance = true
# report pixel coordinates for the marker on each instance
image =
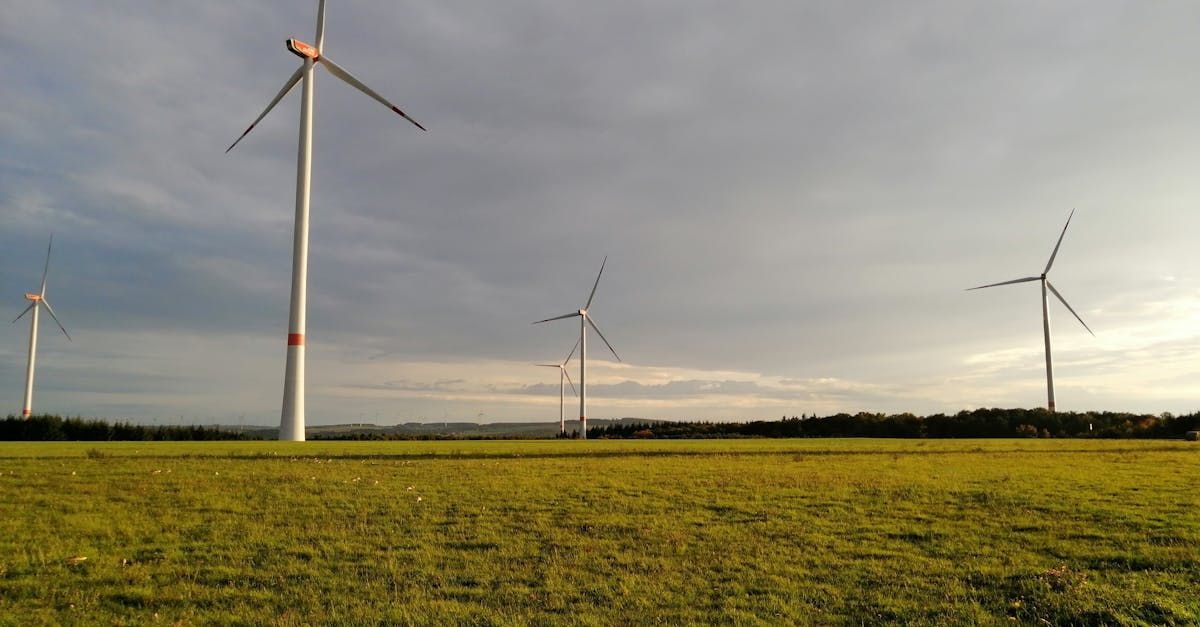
(792, 196)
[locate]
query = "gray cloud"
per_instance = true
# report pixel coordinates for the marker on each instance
(794, 189)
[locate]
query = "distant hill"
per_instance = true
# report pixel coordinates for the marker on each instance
(448, 429)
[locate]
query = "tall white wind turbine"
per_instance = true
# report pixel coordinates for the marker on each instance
(562, 373)
(291, 424)
(585, 319)
(37, 301)
(1046, 285)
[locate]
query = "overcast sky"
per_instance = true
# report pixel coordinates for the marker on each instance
(792, 195)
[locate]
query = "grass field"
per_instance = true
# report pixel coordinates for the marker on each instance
(601, 532)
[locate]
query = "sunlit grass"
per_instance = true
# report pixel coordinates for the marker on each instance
(810, 531)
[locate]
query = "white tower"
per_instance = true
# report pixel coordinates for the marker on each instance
(37, 301)
(291, 423)
(585, 319)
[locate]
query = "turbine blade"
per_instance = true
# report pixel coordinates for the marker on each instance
(1024, 280)
(50, 310)
(549, 365)
(1068, 306)
(614, 352)
(46, 270)
(320, 25)
(594, 285)
(568, 373)
(291, 82)
(23, 313)
(572, 353)
(1060, 239)
(570, 315)
(337, 71)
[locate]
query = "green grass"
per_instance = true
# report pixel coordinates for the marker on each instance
(746, 531)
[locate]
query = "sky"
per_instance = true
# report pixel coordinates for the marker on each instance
(792, 196)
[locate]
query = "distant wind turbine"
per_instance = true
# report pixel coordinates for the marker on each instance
(291, 425)
(562, 372)
(1046, 309)
(585, 319)
(37, 301)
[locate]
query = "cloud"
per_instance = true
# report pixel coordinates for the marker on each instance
(792, 197)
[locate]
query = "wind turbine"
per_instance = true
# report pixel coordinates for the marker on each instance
(585, 319)
(37, 301)
(1046, 285)
(562, 372)
(291, 425)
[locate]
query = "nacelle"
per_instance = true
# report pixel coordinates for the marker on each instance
(303, 50)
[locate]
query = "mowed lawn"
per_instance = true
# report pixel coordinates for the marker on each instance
(601, 532)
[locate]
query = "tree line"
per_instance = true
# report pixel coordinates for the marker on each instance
(978, 423)
(48, 428)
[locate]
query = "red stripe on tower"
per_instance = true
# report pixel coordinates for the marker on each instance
(295, 339)
(25, 412)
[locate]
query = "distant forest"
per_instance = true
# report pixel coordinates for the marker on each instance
(52, 428)
(979, 423)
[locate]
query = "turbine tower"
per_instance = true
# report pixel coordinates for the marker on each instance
(1047, 285)
(585, 319)
(291, 424)
(37, 301)
(562, 372)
